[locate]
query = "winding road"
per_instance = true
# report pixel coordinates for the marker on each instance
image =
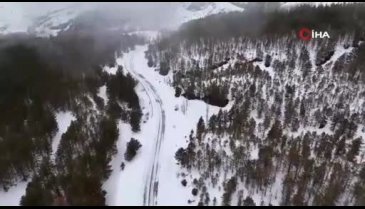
(156, 105)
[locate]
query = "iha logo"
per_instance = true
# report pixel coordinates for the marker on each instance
(307, 34)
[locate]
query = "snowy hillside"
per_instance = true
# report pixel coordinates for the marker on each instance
(187, 12)
(241, 112)
(58, 19)
(20, 17)
(51, 18)
(282, 95)
(294, 134)
(12, 18)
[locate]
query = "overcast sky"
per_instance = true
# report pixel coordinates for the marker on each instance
(21, 13)
(36, 8)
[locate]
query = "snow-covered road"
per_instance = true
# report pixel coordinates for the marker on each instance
(141, 175)
(153, 176)
(151, 181)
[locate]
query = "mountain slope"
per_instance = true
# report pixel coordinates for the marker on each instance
(20, 17)
(50, 19)
(228, 117)
(11, 18)
(191, 11)
(294, 134)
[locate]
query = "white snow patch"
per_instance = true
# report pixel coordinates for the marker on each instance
(185, 15)
(13, 196)
(102, 93)
(21, 16)
(12, 18)
(111, 70)
(254, 153)
(64, 120)
(150, 35)
(114, 193)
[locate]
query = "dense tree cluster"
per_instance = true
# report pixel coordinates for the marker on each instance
(120, 88)
(132, 147)
(41, 76)
(30, 92)
(259, 22)
(294, 132)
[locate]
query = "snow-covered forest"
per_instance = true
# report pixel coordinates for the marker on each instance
(227, 107)
(293, 134)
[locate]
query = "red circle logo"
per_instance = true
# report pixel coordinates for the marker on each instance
(305, 34)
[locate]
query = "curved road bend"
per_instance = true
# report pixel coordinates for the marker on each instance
(151, 185)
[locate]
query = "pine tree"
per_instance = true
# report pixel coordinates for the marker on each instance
(132, 147)
(200, 129)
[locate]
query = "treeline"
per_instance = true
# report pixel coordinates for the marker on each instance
(257, 26)
(120, 88)
(261, 23)
(82, 161)
(30, 93)
(40, 76)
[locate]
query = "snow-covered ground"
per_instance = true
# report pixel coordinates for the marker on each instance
(64, 120)
(149, 35)
(13, 195)
(20, 16)
(11, 18)
(157, 154)
(185, 15)
(157, 100)
(102, 94)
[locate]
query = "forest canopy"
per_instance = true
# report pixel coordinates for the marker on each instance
(258, 23)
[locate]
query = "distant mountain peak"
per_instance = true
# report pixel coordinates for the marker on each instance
(45, 19)
(196, 10)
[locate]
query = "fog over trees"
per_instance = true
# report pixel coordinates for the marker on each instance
(289, 130)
